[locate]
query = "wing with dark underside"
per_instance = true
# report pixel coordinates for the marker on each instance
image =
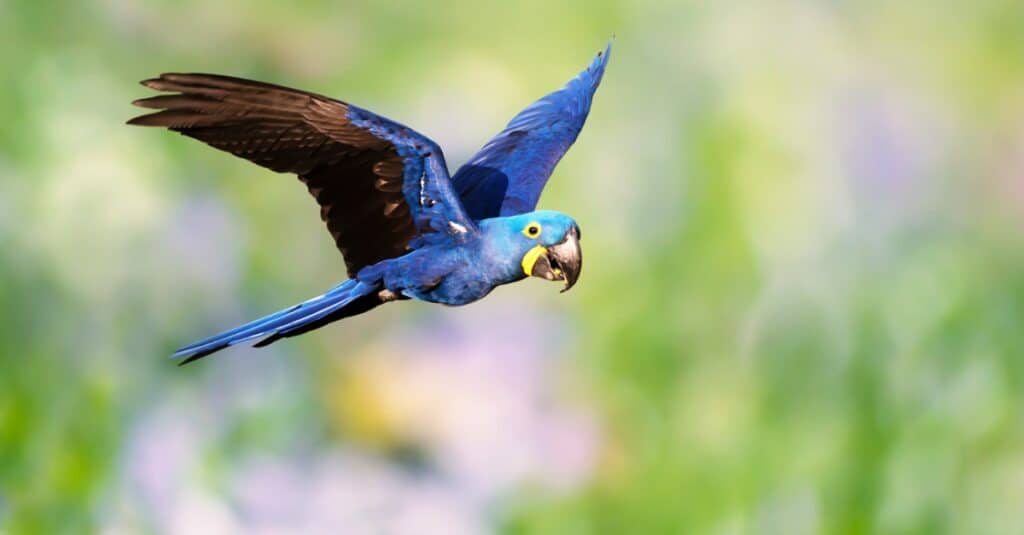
(507, 176)
(379, 184)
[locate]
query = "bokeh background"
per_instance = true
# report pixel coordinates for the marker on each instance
(801, 310)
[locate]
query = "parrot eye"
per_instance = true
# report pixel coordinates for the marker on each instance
(532, 230)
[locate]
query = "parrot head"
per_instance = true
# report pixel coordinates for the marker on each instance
(546, 245)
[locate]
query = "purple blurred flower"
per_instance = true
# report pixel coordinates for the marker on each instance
(350, 493)
(158, 466)
(476, 390)
(167, 490)
(890, 148)
(205, 244)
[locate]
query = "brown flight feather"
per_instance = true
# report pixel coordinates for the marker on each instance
(355, 177)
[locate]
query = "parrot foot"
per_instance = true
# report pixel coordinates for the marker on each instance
(387, 295)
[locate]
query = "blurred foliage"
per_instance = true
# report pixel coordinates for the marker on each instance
(801, 310)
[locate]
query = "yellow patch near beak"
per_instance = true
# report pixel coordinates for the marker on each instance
(531, 256)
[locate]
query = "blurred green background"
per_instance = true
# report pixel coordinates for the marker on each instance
(801, 309)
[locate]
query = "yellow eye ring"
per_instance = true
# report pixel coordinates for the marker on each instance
(532, 230)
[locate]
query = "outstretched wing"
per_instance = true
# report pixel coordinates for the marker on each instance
(507, 176)
(379, 184)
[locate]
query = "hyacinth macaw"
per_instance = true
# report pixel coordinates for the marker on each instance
(405, 228)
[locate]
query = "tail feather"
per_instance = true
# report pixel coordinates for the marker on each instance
(291, 321)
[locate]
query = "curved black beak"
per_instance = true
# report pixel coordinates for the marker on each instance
(562, 262)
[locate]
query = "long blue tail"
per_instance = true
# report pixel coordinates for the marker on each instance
(346, 299)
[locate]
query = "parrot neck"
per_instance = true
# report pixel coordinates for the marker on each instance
(501, 252)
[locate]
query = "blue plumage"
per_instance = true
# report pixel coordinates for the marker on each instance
(406, 229)
(283, 322)
(487, 259)
(507, 176)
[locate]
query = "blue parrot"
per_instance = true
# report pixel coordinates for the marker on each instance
(405, 228)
